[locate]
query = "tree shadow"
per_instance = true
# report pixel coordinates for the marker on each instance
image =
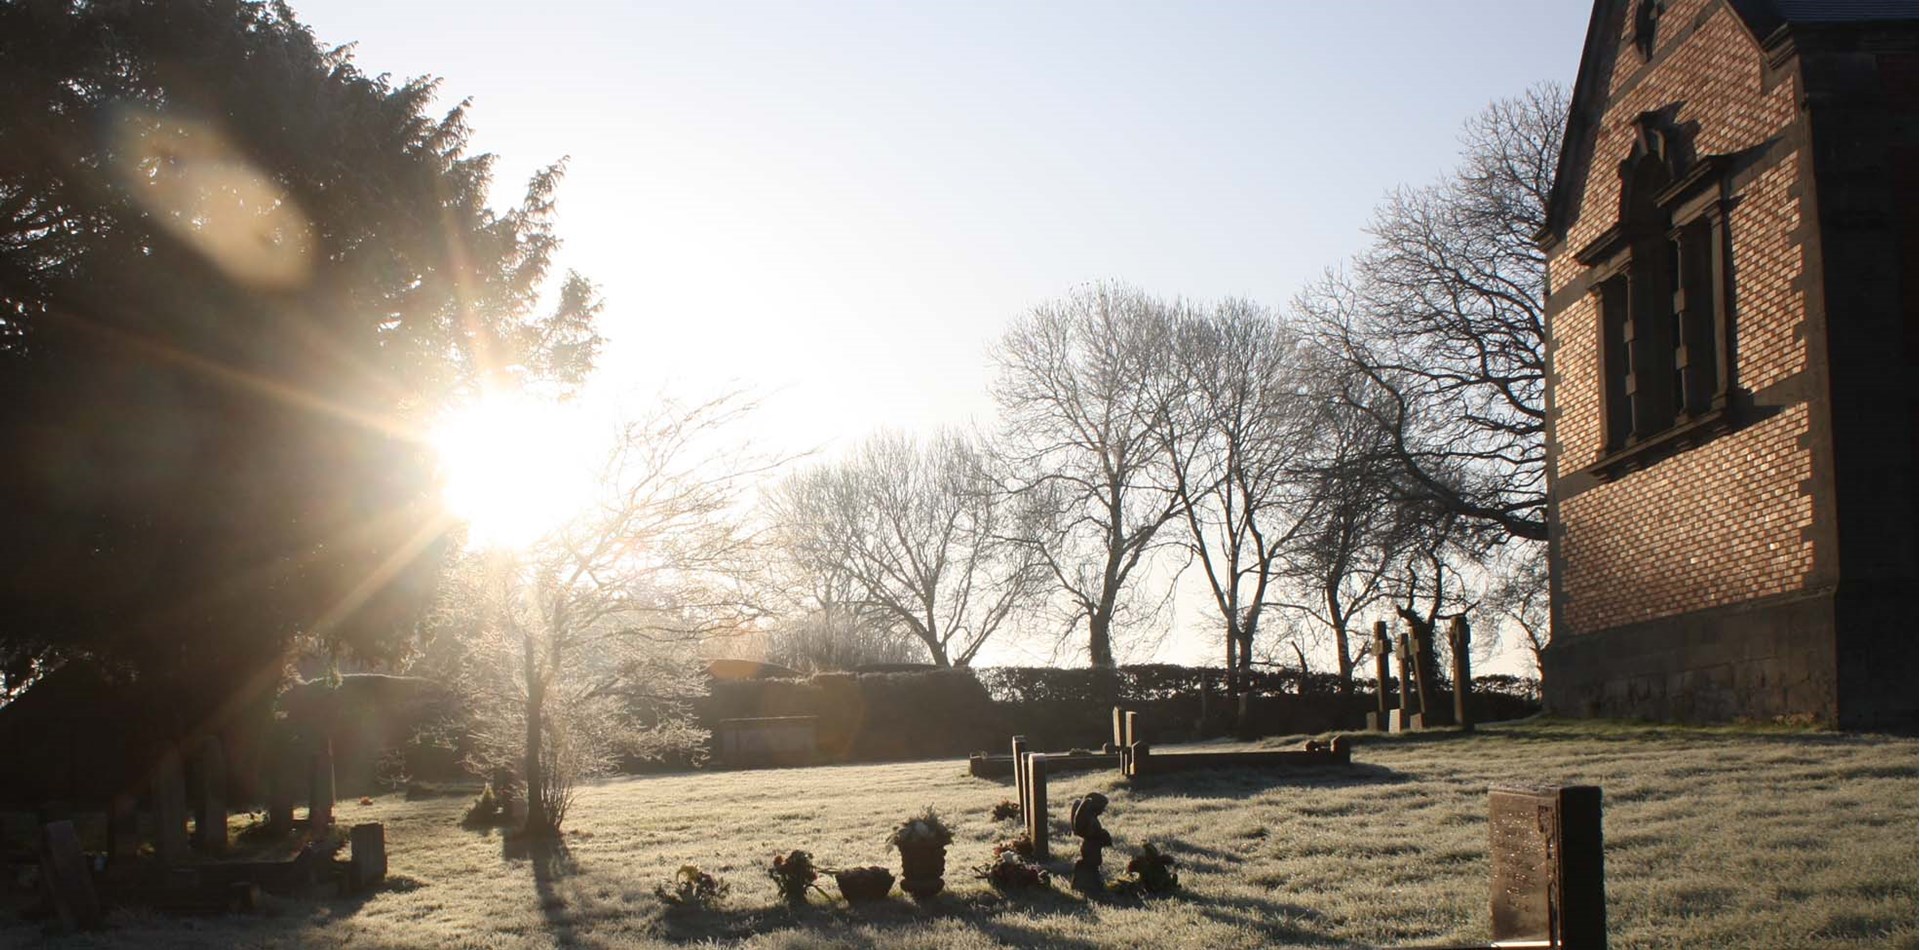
(1246, 782)
(551, 863)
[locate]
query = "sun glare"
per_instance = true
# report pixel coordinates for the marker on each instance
(514, 468)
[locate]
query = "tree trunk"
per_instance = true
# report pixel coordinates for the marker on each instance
(1233, 664)
(1343, 654)
(536, 775)
(1100, 640)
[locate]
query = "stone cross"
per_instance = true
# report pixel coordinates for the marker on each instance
(1381, 650)
(1460, 642)
(1406, 679)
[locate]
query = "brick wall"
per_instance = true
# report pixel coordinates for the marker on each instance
(1713, 526)
(1724, 522)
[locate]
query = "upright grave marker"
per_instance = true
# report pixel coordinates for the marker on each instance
(1378, 721)
(170, 809)
(1460, 641)
(1036, 812)
(1548, 878)
(1420, 637)
(1020, 775)
(69, 884)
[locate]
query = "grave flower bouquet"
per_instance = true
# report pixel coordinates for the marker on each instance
(924, 830)
(793, 873)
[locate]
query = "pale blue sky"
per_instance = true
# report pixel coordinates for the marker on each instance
(841, 204)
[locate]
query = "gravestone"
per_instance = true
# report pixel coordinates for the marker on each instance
(1378, 719)
(68, 882)
(210, 802)
(170, 809)
(1421, 640)
(369, 865)
(1020, 776)
(1406, 680)
(1548, 872)
(1460, 641)
(320, 789)
(1036, 800)
(123, 832)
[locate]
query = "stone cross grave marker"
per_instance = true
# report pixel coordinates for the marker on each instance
(1548, 873)
(1378, 720)
(1460, 641)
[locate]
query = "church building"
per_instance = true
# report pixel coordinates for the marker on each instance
(1731, 352)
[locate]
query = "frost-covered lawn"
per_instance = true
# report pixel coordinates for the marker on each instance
(1715, 838)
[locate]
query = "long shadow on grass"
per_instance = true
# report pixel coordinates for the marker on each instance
(1248, 782)
(987, 913)
(551, 862)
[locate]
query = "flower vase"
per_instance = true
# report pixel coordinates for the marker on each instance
(921, 868)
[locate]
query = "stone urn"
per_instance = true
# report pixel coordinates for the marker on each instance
(922, 869)
(922, 841)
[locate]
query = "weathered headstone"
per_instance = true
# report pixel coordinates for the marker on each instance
(1421, 639)
(69, 884)
(210, 802)
(1020, 775)
(170, 809)
(123, 832)
(369, 859)
(1460, 642)
(320, 794)
(1548, 872)
(1378, 721)
(1406, 679)
(1036, 813)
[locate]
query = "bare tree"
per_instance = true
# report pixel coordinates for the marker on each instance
(1233, 436)
(581, 646)
(1518, 594)
(1442, 322)
(821, 624)
(919, 537)
(1084, 395)
(1340, 561)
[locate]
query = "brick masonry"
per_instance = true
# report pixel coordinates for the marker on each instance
(1702, 585)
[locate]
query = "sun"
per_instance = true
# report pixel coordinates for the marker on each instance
(514, 468)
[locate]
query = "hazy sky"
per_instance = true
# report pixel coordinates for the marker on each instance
(841, 204)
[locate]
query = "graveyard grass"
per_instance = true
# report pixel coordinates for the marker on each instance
(1714, 838)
